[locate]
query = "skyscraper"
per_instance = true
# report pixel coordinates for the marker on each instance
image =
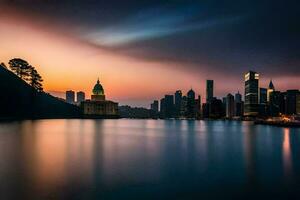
(274, 103)
(162, 109)
(251, 93)
(209, 90)
(178, 99)
(80, 97)
(198, 107)
(263, 96)
(291, 101)
(154, 106)
(191, 111)
(183, 107)
(169, 106)
(271, 89)
(239, 105)
(216, 109)
(238, 97)
(229, 106)
(282, 107)
(70, 96)
(298, 104)
(263, 101)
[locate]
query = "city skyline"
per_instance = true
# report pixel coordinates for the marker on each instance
(258, 102)
(140, 38)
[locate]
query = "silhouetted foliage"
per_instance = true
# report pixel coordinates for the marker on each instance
(26, 72)
(35, 80)
(21, 101)
(20, 67)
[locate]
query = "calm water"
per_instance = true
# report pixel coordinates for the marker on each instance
(147, 159)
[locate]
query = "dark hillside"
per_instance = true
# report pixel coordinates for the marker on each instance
(18, 100)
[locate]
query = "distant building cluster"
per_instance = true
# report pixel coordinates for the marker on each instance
(258, 102)
(70, 97)
(264, 102)
(178, 105)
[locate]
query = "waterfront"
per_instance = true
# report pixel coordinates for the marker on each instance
(147, 159)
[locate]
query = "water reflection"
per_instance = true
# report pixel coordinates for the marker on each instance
(286, 155)
(99, 159)
(250, 155)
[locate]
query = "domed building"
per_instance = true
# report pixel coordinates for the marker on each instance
(98, 106)
(98, 92)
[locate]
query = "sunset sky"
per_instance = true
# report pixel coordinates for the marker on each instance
(142, 50)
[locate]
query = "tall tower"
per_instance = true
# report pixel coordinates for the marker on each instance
(238, 97)
(70, 96)
(169, 106)
(251, 93)
(80, 97)
(229, 106)
(271, 89)
(209, 90)
(191, 104)
(178, 99)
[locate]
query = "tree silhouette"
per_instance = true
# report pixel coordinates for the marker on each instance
(26, 72)
(20, 67)
(35, 79)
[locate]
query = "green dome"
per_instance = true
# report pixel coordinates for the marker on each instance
(98, 89)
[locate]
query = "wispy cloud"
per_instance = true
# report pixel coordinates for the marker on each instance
(154, 23)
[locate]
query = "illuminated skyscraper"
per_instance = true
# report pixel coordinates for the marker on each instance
(251, 94)
(271, 89)
(209, 90)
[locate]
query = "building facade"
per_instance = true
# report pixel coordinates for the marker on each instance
(169, 106)
(271, 89)
(298, 104)
(154, 106)
(177, 105)
(191, 104)
(291, 101)
(274, 103)
(70, 96)
(80, 97)
(209, 90)
(230, 106)
(251, 106)
(98, 106)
